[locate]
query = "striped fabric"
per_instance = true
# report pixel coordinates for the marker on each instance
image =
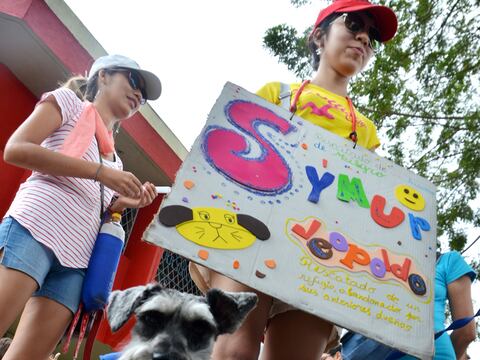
(61, 212)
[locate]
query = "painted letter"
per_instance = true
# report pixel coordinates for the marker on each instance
(386, 260)
(227, 149)
(401, 271)
(338, 241)
(318, 185)
(306, 234)
(417, 224)
(417, 284)
(321, 248)
(355, 254)
(378, 268)
(377, 211)
(351, 190)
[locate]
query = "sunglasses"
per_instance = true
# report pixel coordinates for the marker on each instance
(134, 80)
(355, 24)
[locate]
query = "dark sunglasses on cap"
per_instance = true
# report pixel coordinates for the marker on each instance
(355, 24)
(134, 80)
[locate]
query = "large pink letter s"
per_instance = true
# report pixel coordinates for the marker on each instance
(226, 149)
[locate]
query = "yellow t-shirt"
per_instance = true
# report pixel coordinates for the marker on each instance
(326, 109)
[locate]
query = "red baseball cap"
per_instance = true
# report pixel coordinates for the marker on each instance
(385, 18)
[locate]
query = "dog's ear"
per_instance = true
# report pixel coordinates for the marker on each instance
(255, 226)
(174, 214)
(122, 303)
(230, 309)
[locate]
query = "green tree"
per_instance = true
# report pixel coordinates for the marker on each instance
(423, 92)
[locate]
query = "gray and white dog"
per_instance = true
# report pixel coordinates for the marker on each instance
(176, 326)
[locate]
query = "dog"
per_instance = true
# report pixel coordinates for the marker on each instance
(176, 326)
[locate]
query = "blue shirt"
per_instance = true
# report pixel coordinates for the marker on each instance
(450, 267)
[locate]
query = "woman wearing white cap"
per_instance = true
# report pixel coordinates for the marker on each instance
(48, 233)
(342, 42)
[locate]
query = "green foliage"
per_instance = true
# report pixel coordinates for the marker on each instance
(423, 92)
(290, 48)
(298, 3)
(475, 264)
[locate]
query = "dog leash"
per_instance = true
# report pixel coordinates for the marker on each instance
(83, 329)
(457, 324)
(73, 325)
(87, 352)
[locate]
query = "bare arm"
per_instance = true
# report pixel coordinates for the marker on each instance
(23, 149)
(460, 299)
(149, 194)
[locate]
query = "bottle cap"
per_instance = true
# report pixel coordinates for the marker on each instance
(116, 217)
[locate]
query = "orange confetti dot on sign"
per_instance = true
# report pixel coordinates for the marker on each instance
(324, 163)
(304, 146)
(188, 184)
(236, 264)
(271, 264)
(203, 254)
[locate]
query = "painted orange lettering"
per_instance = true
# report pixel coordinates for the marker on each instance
(357, 255)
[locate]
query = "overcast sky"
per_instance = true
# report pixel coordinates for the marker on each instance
(195, 47)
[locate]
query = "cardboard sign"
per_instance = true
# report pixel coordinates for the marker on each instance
(296, 212)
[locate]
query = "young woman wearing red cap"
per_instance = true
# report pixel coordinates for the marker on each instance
(342, 42)
(47, 235)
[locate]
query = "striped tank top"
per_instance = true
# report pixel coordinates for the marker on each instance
(63, 213)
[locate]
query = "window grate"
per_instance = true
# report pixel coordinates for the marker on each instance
(128, 221)
(173, 273)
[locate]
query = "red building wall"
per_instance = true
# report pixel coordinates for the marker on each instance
(140, 260)
(16, 103)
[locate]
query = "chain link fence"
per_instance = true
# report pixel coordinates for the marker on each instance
(173, 269)
(128, 220)
(173, 273)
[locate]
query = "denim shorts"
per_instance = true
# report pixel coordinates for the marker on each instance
(23, 253)
(359, 347)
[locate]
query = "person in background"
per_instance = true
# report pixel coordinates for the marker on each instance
(47, 235)
(453, 282)
(332, 354)
(343, 40)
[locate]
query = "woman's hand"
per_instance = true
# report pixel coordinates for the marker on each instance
(123, 182)
(148, 195)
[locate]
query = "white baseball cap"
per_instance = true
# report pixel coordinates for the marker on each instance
(153, 86)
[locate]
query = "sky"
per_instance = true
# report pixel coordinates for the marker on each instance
(195, 47)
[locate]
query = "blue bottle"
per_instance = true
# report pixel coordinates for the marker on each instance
(103, 264)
